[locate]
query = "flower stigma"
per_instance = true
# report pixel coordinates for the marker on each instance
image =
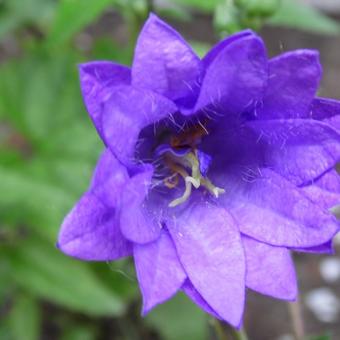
(184, 160)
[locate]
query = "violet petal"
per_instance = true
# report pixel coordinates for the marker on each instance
(159, 272)
(209, 247)
(270, 270)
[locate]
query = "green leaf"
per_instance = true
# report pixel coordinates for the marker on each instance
(25, 318)
(74, 15)
(322, 337)
(44, 271)
(18, 13)
(33, 200)
(200, 48)
(179, 319)
(80, 332)
(294, 14)
(202, 5)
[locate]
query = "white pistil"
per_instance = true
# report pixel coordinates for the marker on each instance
(216, 191)
(185, 196)
(196, 179)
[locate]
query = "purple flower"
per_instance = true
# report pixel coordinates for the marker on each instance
(213, 171)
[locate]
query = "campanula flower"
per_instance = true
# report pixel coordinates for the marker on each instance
(214, 169)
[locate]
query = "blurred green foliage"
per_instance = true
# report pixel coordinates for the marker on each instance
(48, 148)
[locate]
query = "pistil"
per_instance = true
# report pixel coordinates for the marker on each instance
(177, 165)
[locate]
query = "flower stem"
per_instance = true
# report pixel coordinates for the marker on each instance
(297, 321)
(240, 334)
(219, 332)
(228, 333)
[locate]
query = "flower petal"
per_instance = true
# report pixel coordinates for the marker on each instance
(325, 191)
(97, 80)
(299, 149)
(138, 224)
(196, 297)
(324, 108)
(221, 45)
(209, 247)
(236, 77)
(109, 179)
(159, 272)
(163, 61)
(91, 232)
(272, 210)
(126, 113)
(325, 248)
(270, 270)
(293, 81)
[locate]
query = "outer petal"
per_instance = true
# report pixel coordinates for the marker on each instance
(220, 46)
(325, 191)
(91, 232)
(209, 247)
(126, 113)
(323, 198)
(326, 248)
(109, 179)
(324, 108)
(299, 149)
(236, 77)
(159, 272)
(334, 122)
(293, 81)
(97, 79)
(270, 270)
(163, 61)
(274, 211)
(330, 181)
(137, 223)
(196, 297)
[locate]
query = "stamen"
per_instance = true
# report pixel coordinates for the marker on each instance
(181, 154)
(216, 191)
(184, 197)
(171, 181)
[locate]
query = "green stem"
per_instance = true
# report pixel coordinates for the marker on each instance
(219, 331)
(240, 334)
(228, 333)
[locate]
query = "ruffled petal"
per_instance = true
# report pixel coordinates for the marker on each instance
(293, 81)
(126, 113)
(139, 224)
(91, 232)
(299, 149)
(209, 247)
(97, 79)
(235, 79)
(196, 297)
(159, 272)
(164, 62)
(270, 270)
(273, 210)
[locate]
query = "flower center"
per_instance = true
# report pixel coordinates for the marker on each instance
(184, 160)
